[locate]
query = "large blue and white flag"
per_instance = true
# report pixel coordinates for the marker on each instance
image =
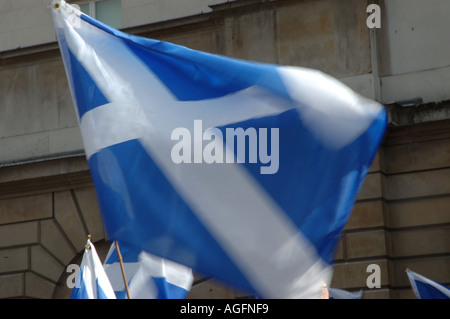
(92, 281)
(148, 276)
(425, 288)
(242, 171)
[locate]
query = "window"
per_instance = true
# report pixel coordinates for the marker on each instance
(106, 11)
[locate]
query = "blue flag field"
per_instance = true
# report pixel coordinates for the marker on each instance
(242, 171)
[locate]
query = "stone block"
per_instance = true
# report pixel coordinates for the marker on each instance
(36, 110)
(407, 24)
(310, 34)
(201, 40)
(54, 93)
(406, 293)
(26, 208)
(19, 234)
(38, 287)
(418, 184)
(424, 132)
(372, 187)
(88, 204)
(366, 214)
(44, 264)
(12, 260)
(22, 113)
(364, 244)
(55, 241)
(136, 12)
(376, 164)
(415, 242)
(68, 218)
(339, 252)
(417, 156)
(419, 212)
(363, 85)
(11, 286)
(306, 36)
(375, 293)
(252, 36)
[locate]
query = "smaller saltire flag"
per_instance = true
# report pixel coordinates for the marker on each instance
(148, 276)
(92, 281)
(425, 288)
(343, 294)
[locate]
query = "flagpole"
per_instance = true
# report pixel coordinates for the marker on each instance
(122, 268)
(88, 245)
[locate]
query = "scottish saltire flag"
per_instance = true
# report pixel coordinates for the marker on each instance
(335, 293)
(242, 171)
(148, 276)
(425, 288)
(91, 281)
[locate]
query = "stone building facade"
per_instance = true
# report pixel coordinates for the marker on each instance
(401, 219)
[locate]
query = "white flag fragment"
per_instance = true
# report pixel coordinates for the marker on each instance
(92, 281)
(148, 276)
(425, 288)
(335, 293)
(242, 171)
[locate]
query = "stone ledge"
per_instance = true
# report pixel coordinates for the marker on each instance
(45, 167)
(39, 176)
(413, 112)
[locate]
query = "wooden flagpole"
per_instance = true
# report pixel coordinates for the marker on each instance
(88, 246)
(123, 269)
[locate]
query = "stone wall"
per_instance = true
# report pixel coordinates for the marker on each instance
(47, 209)
(417, 193)
(402, 217)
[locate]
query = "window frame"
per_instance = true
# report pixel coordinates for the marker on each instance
(92, 7)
